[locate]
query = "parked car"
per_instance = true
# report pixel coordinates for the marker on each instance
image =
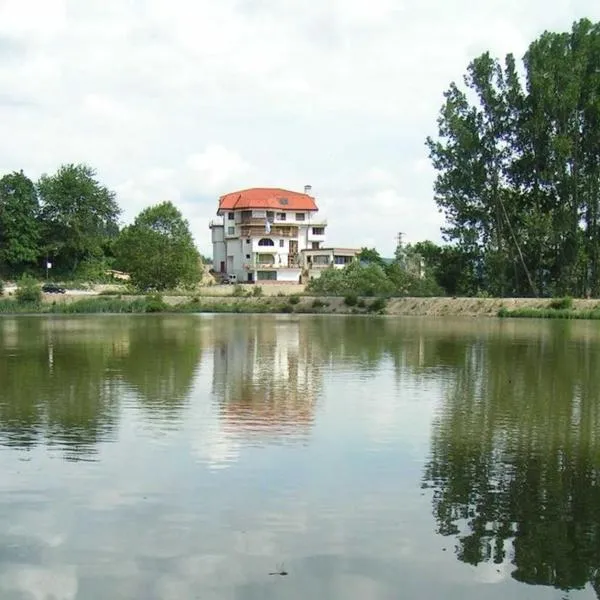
(52, 288)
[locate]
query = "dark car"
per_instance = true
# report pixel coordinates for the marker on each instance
(52, 288)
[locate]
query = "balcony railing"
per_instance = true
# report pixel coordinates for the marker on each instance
(290, 264)
(254, 231)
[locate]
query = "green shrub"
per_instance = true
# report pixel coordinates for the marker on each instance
(565, 303)
(295, 299)
(361, 303)
(238, 290)
(257, 291)
(287, 308)
(1, 287)
(28, 291)
(377, 305)
(351, 300)
(155, 303)
(318, 303)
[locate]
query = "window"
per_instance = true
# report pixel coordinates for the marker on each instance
(270, 216)
(231, 216)
(281, 216)
(266, 259)
(321, 259)
(267, 275)
(281, 243)
(299, 216)
(314, 245)
(266, 242)
(231, 231)
(248, 241)
(341, 260)
(247, 256)
(318, 230)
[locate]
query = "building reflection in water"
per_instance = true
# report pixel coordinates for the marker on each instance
(266, 378)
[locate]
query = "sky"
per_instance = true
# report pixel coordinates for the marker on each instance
(186, 100)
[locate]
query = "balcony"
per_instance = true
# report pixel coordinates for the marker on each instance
(254, 231)
(269, 266)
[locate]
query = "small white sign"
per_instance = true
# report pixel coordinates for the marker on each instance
(48, 265)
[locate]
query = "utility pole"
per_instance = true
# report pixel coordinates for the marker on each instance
(399, 253)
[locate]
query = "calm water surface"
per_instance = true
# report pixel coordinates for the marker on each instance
(162, 457)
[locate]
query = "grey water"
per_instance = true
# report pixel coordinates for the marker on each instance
(175, 457)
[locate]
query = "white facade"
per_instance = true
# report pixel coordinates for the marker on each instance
(262, 245)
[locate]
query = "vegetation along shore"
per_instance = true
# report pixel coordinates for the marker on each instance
(28, 299)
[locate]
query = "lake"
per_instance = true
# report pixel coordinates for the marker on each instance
(203, 456)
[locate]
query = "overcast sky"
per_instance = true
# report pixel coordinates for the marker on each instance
(185, 100)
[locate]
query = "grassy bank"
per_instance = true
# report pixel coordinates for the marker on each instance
(157, 304)
(301, 304)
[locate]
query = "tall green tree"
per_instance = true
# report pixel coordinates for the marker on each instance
(19, 231)
(78, 216)
(158, 249)
(519, 169)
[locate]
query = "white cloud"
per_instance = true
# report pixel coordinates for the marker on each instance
(40, 583)
(188, 100)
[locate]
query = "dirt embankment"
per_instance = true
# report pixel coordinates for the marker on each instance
(275, 295)
(472, 307)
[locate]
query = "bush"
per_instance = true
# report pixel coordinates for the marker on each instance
(238, 290)
(1, 287)
(318, 303)
(257, 291)
(155, 303)
(565, 303)
(351, 300)
(295, 299)
(287, 308)
(377, 305)
(28, 291)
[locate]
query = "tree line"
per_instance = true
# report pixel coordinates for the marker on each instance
(70, 221)
(517, 157)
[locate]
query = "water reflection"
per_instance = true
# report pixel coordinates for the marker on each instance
(266, 377)
(324, 425)
(515, 456)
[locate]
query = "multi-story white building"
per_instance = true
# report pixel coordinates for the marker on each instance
(262, 231)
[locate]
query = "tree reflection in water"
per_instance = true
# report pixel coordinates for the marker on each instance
(515, 458)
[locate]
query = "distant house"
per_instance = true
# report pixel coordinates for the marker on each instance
(314, 261)
(261, 233)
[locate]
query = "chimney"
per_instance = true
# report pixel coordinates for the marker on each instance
(308, 189)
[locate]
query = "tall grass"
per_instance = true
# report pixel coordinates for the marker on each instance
(549, 313)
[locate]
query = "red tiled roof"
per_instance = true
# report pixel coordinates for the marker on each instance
(268, 198)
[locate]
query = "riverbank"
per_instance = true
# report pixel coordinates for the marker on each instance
(433, 307)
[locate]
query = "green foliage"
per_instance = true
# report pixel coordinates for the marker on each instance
(287, 308)
(238, 290)
(351, 300)
(370, 255)
(155, 303)
(518, 172)
(316, 303)
(19, 228)
(294, 299)
(364, 280)
(1, 287)
(377, 305)
(549, 313)
(78, 216)
(565, 303)
(257, 291)
(158, 250)
(28, 291)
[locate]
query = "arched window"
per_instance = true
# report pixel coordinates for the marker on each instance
(266, 242)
